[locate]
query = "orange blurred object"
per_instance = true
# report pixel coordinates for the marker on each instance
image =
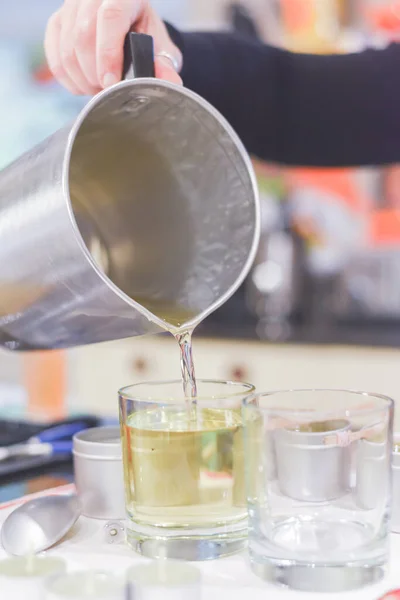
(311, 25)
(392, 186)
(384, 227)
(385, 17)
(298, 14)
(43, 74)
(339, 183)
(43, 483)
(45, 378)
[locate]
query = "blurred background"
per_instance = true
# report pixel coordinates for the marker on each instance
(321, 306)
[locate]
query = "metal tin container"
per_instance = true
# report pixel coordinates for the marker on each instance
(371, 474)
(395, 524)
(307, 468)
(99, 472)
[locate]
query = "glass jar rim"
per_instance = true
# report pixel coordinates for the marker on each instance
(387, 403)
(246, 389)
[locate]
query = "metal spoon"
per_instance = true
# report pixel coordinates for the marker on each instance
(39, 524)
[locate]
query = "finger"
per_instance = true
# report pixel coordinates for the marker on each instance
(85, 40)
(53, 56)
(67, 43)
(115, 18)
(165, 70)
(168, 59)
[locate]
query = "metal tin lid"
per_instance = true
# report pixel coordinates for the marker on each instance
(99, 442)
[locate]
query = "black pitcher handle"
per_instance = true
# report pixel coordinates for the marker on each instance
(138, 56)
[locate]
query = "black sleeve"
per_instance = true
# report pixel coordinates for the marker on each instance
(299, 109)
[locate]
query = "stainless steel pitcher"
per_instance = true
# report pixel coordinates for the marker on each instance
(149, 195)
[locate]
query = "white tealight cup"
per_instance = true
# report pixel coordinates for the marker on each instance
(84, 585)
(164, 580)
(25, 577)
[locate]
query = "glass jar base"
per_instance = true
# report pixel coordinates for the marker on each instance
(194, 548)
(321, 578)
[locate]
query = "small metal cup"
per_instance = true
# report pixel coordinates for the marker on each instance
(321, 471)
(395, 523)
(370, 473)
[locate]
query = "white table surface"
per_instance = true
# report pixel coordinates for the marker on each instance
(86, 548)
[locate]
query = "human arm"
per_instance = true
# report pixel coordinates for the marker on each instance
(293, 109)
(298, 109)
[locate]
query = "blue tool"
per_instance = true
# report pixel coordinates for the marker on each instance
(49, 442)
(58, 432)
